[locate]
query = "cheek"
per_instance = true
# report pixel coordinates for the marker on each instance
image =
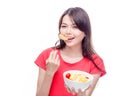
(62, 31)
(81, 35)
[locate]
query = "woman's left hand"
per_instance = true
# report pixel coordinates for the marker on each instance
(72, 90)
(79, 93)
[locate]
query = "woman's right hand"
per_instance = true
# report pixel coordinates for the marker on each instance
(53, 62)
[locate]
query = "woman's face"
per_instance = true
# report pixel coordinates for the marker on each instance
(69, 29)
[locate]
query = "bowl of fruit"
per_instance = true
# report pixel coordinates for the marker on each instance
(77, 79)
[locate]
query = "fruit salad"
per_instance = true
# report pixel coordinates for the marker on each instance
(77, 77)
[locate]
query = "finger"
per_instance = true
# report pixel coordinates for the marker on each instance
(68, 89)
(73, 91)
(51, 55)
(81, 93)
(57, 60)
(47, 62)
(54, 55)
(88, 88)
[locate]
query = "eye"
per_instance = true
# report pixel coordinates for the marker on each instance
(75, 27)
(63, 26)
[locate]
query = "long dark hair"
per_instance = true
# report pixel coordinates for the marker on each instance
(82, 21)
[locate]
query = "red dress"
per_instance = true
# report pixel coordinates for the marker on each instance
(57, 88)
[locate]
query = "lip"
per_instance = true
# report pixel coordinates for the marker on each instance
(71, 38)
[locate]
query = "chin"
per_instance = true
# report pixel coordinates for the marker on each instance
(70, 45)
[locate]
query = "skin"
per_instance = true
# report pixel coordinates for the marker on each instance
(73, 49)
(45, 77)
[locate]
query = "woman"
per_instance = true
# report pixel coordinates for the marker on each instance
(74, 53)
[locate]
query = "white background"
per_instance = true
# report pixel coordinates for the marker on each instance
(29, 26)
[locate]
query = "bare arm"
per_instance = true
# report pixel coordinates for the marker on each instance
(45, 77)
(44, 82)
(92, 87)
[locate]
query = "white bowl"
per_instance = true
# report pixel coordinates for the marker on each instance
(75, 84)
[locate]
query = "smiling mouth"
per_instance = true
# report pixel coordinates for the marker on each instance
(71, 38)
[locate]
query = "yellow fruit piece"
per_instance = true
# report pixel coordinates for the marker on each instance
(73, 76)
(83, 79)
(78, 77)
(62, 37)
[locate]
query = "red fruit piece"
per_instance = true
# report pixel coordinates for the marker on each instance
(68, 75)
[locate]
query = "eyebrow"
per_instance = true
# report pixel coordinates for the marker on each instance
(67, 24)
(63, 23)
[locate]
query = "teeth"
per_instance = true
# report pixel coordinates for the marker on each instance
(70, 38)
(62, 37)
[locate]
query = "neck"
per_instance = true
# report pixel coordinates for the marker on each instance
(71, 55)
(72, 52)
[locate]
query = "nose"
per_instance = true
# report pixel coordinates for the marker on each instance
(68, 31)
